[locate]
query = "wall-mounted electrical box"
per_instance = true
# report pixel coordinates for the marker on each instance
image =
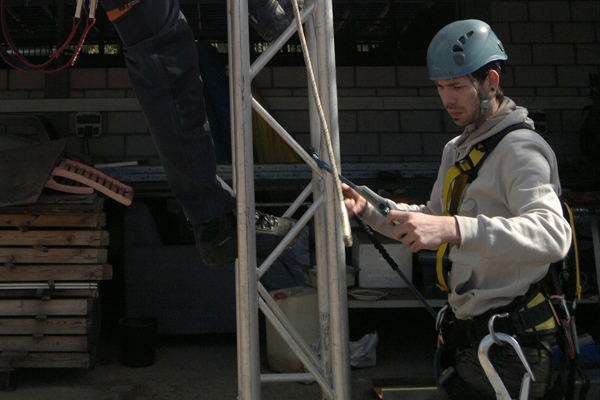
(88, 124)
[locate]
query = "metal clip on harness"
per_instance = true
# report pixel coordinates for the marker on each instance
(16, 60)
(501, 339)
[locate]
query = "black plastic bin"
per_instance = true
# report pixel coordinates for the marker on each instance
(139, 341)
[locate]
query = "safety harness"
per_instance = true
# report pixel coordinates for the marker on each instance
(529, 318)
(536, 318)
(462, 172)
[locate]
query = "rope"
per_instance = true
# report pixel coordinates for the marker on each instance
(393, 264)
(347, 233)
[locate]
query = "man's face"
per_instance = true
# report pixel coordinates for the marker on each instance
(460, 100)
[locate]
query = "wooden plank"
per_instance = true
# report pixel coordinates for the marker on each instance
(50, 293)
(44, 343)
(60, 204)
(51, 360)
(94, 238)
(55, 272)
(32, 220)
(49, 326)
(16, 307)
(94, 320)
(68, 199)
(22, 255)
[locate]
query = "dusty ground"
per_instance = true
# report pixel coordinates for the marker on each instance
(204, 366)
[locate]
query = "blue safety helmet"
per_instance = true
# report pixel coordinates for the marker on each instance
(461, 48)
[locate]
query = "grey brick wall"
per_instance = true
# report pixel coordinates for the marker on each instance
(386, 114)
(553, 47)
(3, 79)
(89, 78)
(549, 10)
(18, 80)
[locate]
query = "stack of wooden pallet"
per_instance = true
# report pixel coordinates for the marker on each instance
(52, 255)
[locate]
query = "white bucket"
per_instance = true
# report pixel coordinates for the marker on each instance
(301, 305)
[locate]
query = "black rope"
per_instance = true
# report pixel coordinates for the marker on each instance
(393, 263)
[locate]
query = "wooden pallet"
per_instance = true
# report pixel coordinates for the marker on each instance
(52, 255)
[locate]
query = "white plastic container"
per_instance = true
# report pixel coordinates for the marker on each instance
(373, 270)
(301, 305)
(310, 277)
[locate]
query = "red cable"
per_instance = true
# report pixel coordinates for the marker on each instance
(53, 57)
(88, 26)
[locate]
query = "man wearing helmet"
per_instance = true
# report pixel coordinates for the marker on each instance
(500, 229)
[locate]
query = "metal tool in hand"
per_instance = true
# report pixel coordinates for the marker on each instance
(383, 206)
(501, 339)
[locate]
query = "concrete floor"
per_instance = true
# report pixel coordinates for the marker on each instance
(204, 366)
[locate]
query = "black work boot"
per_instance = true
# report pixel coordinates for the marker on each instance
(216, 240)
(271, 17)
(269, 232)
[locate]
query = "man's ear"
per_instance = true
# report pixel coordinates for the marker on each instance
(493, 79)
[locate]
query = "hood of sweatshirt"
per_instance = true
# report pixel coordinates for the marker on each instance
(508, 113)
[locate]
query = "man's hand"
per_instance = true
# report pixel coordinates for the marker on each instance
(423, 231)
(355, 203)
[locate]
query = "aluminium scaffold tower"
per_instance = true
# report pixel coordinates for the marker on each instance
(331, 369)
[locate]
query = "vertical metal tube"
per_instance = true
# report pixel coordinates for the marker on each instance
(320, 224)
(340, 352)
(328, 231)
(241, 131)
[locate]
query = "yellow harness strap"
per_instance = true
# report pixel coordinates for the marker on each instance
(549, 323)
(577, 277)
(457, 177)
(439, 267)
(455, 182)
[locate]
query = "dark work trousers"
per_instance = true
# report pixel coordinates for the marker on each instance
(162, 63)
(471, 382)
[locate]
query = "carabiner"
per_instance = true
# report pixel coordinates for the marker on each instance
(441, 317)
(490, 371)
(491, 327)
(563, 302)
(482, 353)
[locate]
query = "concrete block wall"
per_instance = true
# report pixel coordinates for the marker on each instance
(553, 47)
(377, 121)
(125, 134)
(387, 113)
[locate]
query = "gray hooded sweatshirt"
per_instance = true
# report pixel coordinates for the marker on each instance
(510, 216)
